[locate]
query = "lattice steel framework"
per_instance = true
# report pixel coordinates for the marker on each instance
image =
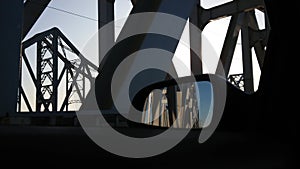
(244, 22)
(237, 80)
(53, 49)
(56, 59)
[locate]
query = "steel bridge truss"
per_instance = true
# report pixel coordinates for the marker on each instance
(243, 21)
(237, 80)
(56, 87)
(62, 74)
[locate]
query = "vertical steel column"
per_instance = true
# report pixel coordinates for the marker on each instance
(105, 16)
(258, 46)
(10, 32)
(19, 97)
(53, 98)
(50, 104)
(171, 97)
(195, 42)
(247, 57)
(105, 12)
(67, 88)
(39, 97)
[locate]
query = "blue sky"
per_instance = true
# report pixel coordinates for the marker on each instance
(78, 29)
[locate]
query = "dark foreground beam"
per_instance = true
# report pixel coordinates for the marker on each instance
(32, 11)
(10, 32)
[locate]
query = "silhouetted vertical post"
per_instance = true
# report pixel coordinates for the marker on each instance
(11, 28)
(247, 57)
(171, 97)
(38, 76)
(54, 95)
(195, 42)
(105, 16)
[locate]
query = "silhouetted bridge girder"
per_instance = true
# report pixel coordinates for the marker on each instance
(268, 142)
(78, 70)
(243, 21)
(56, 58)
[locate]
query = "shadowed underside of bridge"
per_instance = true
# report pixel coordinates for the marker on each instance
(249, 135)
(48, 77)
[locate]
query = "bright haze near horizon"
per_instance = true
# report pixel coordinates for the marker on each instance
(78, 21)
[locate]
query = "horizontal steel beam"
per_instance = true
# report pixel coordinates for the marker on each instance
(228, 9)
